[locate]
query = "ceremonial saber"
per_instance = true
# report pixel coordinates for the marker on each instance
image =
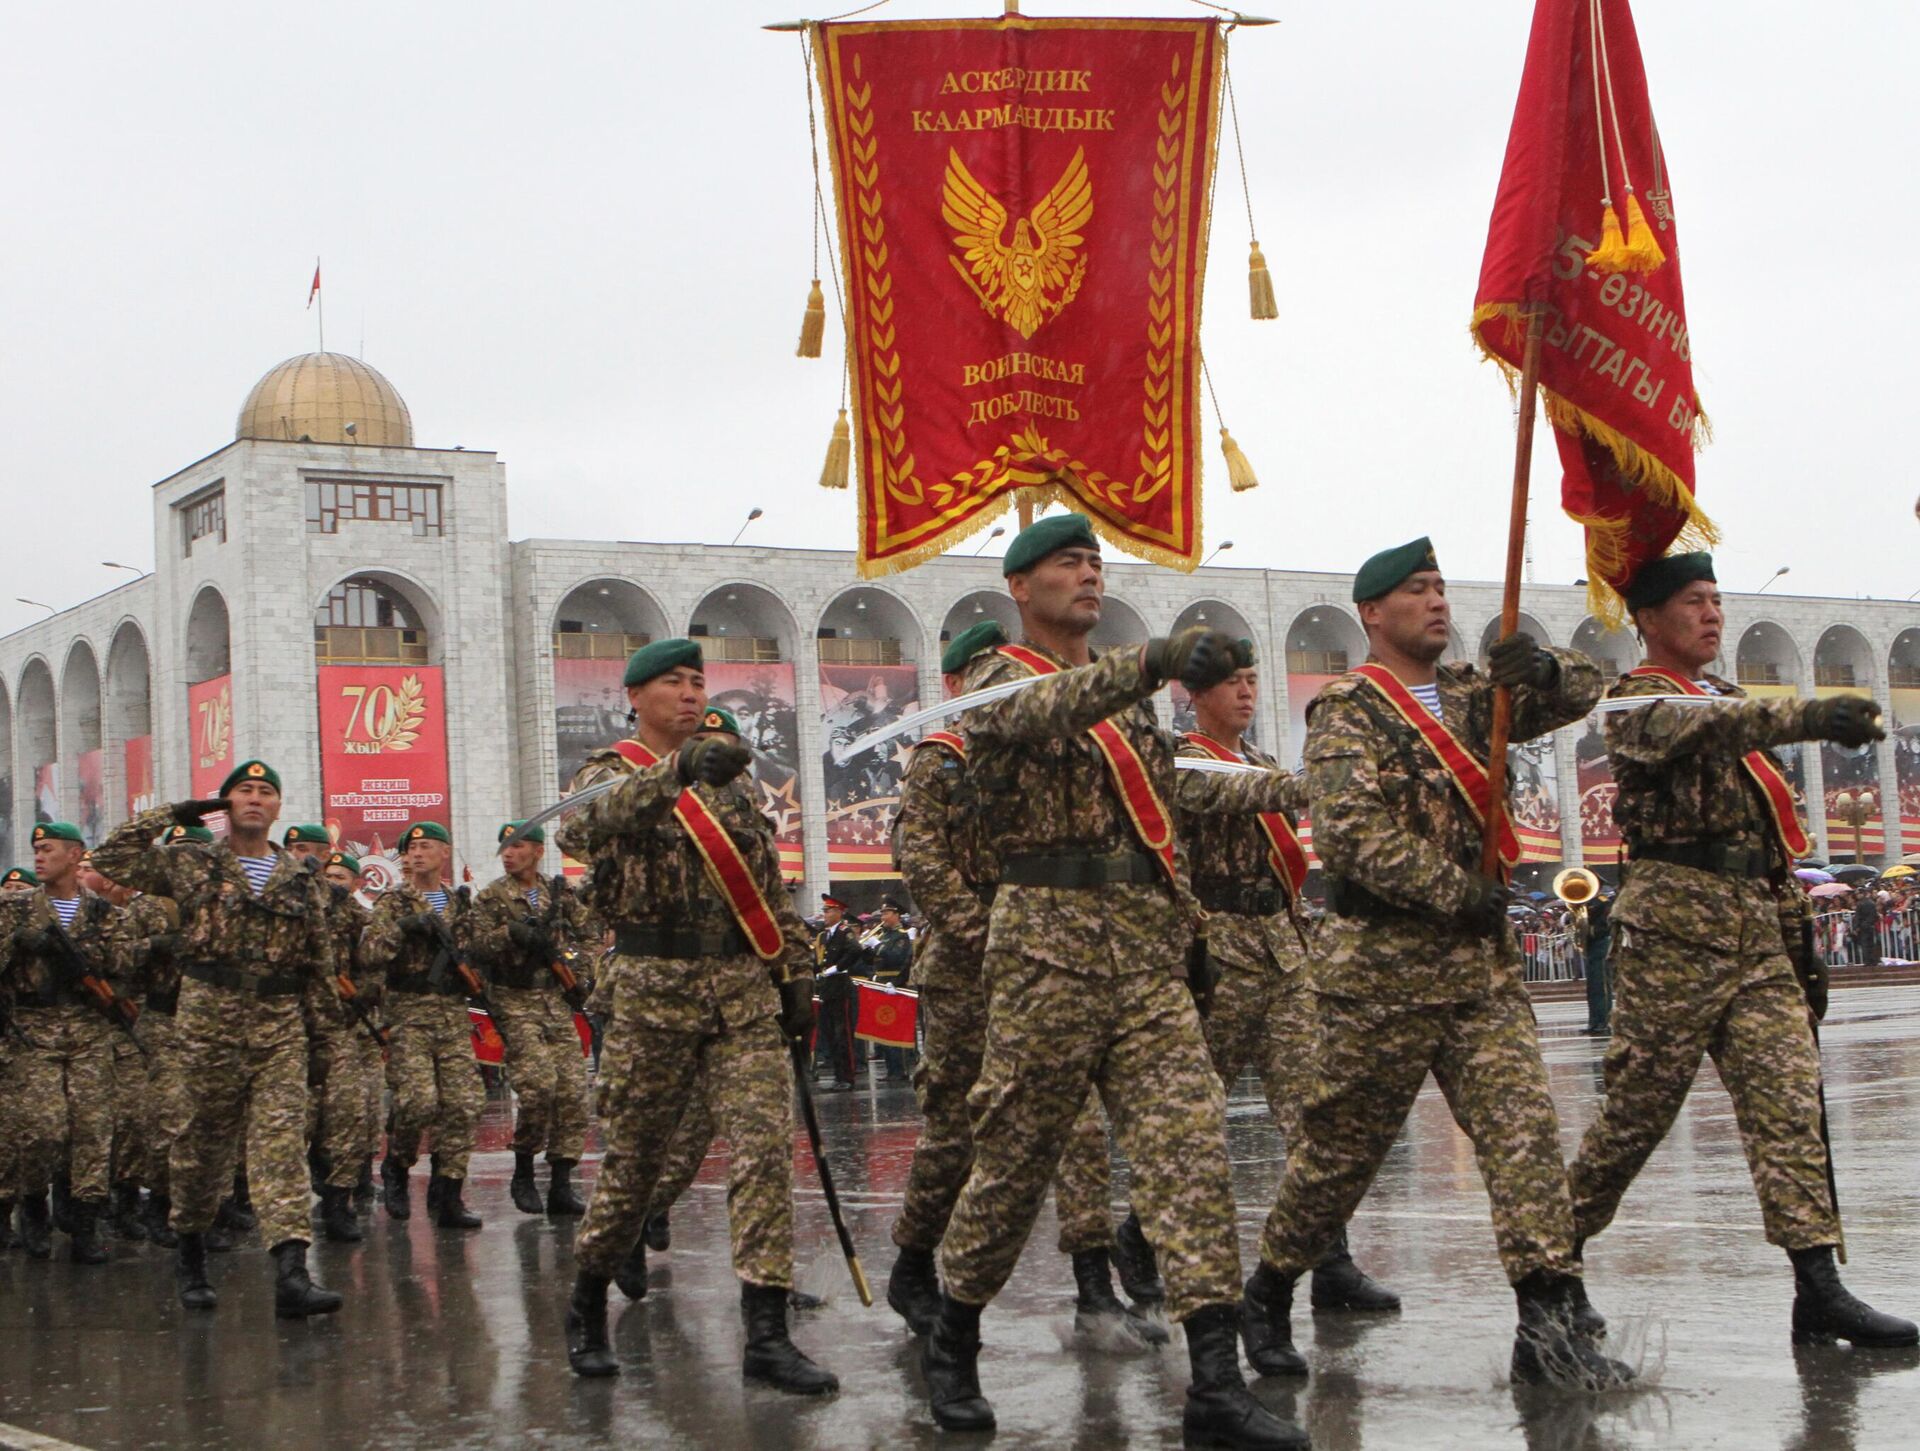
(799, 1051)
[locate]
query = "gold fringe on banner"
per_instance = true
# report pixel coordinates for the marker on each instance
(1642, 248)
(1611, 255)
(813, 323)
(835, 471)
(1260, 286)
(1239, 472)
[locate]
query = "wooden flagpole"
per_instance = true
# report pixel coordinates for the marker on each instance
(1510, 599)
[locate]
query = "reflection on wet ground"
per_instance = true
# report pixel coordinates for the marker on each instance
(453, 1340)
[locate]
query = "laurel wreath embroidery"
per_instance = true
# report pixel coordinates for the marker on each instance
(401, 728)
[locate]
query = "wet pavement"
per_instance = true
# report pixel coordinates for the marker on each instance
(451, 1339)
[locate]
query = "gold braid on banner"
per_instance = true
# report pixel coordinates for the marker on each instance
(1011, 462)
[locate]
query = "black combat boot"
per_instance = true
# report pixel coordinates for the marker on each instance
(158, 1211)
(8, 1239)
(1547, 1348)
(85, 1248)
(560, 1196)
(240, 1215)
(393, 1174)
(1139, 1268)
(220, 1240)
(1824, 1310)
(452, 1214)
(772, 1358)
(1221, 1411)
(525, 1193)
(127, 1223)
(363, 1192)
(659, 1233)
(319, 1167)
(435, 1186)
(1340, 1284)
(1587, 1321)
(631, 1277)
(233, 1219)
(951, 1363)
(1266, 1321)
(295, 1296)
(1095, 1302)
(62, 1201)
(337, 1219)
(36, 1227)
(913, 1289)
(190, 1273)
(588, 1351)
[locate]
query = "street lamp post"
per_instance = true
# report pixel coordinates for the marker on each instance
(998, 530)
(1856, 808)
(132, 569)
(21, 599)
(1220, 548)
(1783, 569)
(751, 516)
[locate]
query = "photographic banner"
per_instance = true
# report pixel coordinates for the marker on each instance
(1599, 835)
(863, 791)
(589, 711)
(1535, 799)
(90, 815)
(383, 758)
(761, 696)
(210, 734)
(137, 766)
(1852, 772)
(1905, 730)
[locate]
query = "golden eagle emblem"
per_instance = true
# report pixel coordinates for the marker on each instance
(1030, 280)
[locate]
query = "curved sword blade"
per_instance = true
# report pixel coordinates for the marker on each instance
(584, 796)
(1218, 768)
(1633, 702)
(942, 711)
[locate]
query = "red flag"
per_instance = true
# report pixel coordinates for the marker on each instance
(887, 1015)
(1616, 370)
(314, 291)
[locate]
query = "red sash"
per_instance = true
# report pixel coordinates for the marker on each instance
(1152, 822)
(1289, 858)
(948, 739)
(1761, 766)
(725, 864)
(1469, 773)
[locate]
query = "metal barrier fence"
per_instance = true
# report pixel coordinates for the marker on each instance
(1898, 936)
(1552, 957)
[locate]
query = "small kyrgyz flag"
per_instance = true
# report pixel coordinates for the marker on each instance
(487, 1046)
(887, 1015)
(1616, 361)
(314, 291)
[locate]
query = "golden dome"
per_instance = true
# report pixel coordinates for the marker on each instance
(315, 396)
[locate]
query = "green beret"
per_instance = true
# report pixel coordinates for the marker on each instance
(341, 859)
(308, 835)
(1042, 537)
(58, 831)
(424, 830)
(539, 833)
(189, 833)
(20, 877)
(719, 718)
(1390, 567)
(1659, 580)
(250, 771)
(1245, 657)
(660, 657)
(970, 642)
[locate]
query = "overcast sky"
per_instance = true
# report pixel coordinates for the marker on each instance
(577, 234)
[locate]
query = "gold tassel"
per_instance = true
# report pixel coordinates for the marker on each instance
(813, 324)
(1260, 286)
(1239, 471)
(1641, 246)
(834, 473)
(1611, 255)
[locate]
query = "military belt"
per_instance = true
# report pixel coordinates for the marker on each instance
(1723, 858)
(1241, 899)
(253, 984)
(649, 939)
(53, 995)
(1350, 899)
(422, 985)
(165, 1002)
(522, 978)
(1079, 869)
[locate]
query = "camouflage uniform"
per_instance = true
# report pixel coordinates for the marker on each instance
(543, 1055)
(62, 1101)
(1700, 965)
(346, 1059)
(952, 883)
(147, 921)
(437, 1088)
(680, 1019)
(163, 1098)
(245, 960)
(1084, 991)
(1406, 987)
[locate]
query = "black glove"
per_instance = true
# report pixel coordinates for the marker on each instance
(1518, 660)
(189, 813)
(1813, 982)
(712, 761)
(796, 1007)
(528, 937)
(1198, 658)
(161, 947)
(340, 891)
(1486, 913)
(1846, 720)
(417, 924)
(29, 939)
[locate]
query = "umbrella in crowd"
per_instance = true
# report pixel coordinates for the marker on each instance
(1903, 870)
(1813, 876)
(1830, 889)
(1855, 873)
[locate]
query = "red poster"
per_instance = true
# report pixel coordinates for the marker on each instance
(863, 791)
(91, 816)
(383, 756)
(138, 766)
(1599, 836)
(887, 1015)
(210, 733)
(761, 699)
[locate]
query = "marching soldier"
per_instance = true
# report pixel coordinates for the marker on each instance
(1248, 869)
(525, 930)
(710, 982)
(62, 1098)
(836, 954)
(415, 937)
(947, 866)
(253, 931)
(368, 1115)
(1086, 945)
(1706, 930)
(164, 1103)
(16, 882)
(1417, 970)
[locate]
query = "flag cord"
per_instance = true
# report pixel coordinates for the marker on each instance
(1239, 153)
(1599, 120)
(1613, 106)
(821, 226)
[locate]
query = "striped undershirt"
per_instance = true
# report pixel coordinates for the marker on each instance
(436, 899)
(1429, 696)
(66, 909)
(258, 869)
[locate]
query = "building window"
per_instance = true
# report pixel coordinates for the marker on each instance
(1841, 675)
(204, 517)
(1316, 662)
(840, 651)
(362, 621)
(1760, 672)
(572, 641)
(331, 500)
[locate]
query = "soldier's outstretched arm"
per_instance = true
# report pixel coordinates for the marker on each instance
(1209, 793)
(1665, 732)
(1577, 689)
(1063, 704)
(129, 857)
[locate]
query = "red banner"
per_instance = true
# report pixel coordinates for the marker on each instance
(1023, 211)
(210, 733)
(90, 774)
(383, 756)
(761, 699)
(137, 765)
(887, 1015)
(489, 1048)
(1583, 230)
(863, 791)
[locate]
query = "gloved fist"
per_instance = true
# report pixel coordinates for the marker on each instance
(1486, 912)
(417, 924)
(796, 1006)
(712, 760)
(1518, 660)
(189, 813)
(1846, 720)
(1197, 657)
(29, 939)
(1813, 982)
(524, 935)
